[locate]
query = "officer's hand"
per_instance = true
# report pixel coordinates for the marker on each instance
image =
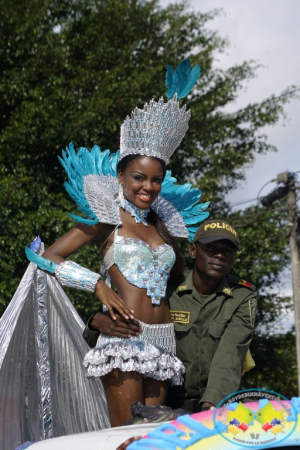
(206, 406)
(124, 328)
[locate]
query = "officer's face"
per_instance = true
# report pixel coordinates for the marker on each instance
(213, 260)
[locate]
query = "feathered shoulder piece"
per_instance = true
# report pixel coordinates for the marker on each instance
(94, 186)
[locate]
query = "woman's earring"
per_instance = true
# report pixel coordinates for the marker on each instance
(121, 195)
(157, 206)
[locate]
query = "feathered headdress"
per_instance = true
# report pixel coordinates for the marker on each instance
(158, 129)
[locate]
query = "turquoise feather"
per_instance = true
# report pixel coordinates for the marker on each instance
(185, 199)
(77, 166)
(181, 80)
(42, 263)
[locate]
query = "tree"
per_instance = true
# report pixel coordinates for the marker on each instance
(265, 253)
(72, 71)
(276, 368)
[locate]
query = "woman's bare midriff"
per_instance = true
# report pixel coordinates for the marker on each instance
(137, 299)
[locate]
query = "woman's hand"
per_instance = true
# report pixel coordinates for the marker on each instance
(112, 301)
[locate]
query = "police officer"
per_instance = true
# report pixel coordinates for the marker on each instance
(213, 314)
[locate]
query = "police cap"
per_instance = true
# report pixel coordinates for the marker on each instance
(215, 230)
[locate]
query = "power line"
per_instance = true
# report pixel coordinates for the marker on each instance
(271, 181)
(257, 198)
(252, 199)
(243, 202)
(263, 215)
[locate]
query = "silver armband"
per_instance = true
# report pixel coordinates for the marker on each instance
(71, 274)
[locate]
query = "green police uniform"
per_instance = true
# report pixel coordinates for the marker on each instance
(213, 334)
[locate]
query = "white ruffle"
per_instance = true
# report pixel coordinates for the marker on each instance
(139, 356)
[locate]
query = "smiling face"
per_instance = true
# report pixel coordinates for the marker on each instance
(214, 260)
(141, 179)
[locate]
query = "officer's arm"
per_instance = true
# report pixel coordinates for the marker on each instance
(89, 334)
(227, 364)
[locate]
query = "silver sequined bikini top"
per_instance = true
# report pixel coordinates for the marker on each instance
(141, 265)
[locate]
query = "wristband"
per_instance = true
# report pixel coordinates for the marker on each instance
(68, 273)
(71, 274)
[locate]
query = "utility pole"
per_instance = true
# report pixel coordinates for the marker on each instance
(291, 201)
(289, 190)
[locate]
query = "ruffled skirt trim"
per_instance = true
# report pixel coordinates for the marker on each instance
(134, 355)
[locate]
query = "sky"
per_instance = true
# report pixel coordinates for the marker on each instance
(268, 32)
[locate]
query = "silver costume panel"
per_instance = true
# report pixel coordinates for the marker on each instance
(42, 353)
(43, 388)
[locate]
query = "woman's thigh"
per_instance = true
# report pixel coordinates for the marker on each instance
(155, 391)
(122, 389)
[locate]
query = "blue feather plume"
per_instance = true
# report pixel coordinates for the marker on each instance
(181, 80)
(186, 200)
(42, 263)
(77, 166)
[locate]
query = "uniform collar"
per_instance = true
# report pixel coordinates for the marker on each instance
(187, 285)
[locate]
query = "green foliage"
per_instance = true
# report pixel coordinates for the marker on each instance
(276, 368)
(263, 256)
(72, 71)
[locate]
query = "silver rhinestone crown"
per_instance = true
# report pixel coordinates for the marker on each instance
(156, 130)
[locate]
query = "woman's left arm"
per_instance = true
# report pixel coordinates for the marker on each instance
(68, 244)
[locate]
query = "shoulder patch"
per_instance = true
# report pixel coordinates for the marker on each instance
(226, 290)
(246, 284)
(182, 287)
(252, 310)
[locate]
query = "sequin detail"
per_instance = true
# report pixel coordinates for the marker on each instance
(138, 213)
(144, 267)
(71, 274)
(152, 353)
(156, 130)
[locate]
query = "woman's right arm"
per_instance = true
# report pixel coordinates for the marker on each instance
(72, 242)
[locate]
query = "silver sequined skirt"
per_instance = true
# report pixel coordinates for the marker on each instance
(151, 353)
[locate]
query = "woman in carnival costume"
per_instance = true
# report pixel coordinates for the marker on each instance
(133, 210)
